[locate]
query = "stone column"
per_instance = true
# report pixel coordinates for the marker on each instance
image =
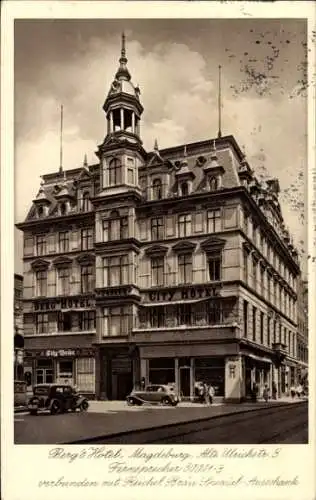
(133, 122)
(233, 378)
(122, 118)
(111, 122)
(144, 372)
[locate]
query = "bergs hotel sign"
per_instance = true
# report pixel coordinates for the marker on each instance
(65, 304)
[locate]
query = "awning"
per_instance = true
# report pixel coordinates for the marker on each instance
(257, 358)
(174, 302)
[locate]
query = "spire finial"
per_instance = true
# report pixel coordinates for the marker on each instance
(156, 145)
(219, 134)
(85, 161)
(123, 49)
(61, 139)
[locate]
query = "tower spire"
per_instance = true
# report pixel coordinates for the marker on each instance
(122, 72)
(61, 139)
(219, 134)
(123, 49)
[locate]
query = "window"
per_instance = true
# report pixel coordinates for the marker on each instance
(262, 280)
(157, 189)
(246, 223)
(115, 321)
(274, 332)
(40, 245)
(254, 323)
(65, 369)
(157, 226)
(42, 323)
(63, 241)
(280, 334)
(254, 273)
(86, 202)
(214, 267)
(115, 228)
(261, 326)
(86, 238)
(115, 270)
(214, 313)
(269, 286)
(158, 317)
(185, 268)
(40, 211)
(115, 172)
(213, 183)
(245, 259)
(63, 209)
(87, 321)
(184, 189)
(41, 283)
(63, 281)
(85, 374)
(184, 225)
(87, 279)
(64, 322)
(157, 271)
(130, 176)
(213, 221)
(245, 314)
(269, 331)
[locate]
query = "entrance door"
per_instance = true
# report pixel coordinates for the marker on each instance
(124, 385)
(185, 382)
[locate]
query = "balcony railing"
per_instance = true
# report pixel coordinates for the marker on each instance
(189, 320)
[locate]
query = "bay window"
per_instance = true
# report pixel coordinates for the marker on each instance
(116, 321)
(115, 270)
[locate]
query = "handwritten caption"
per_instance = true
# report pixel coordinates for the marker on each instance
(167, 467)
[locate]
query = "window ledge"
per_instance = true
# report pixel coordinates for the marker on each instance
(185, 327)
(83, 332)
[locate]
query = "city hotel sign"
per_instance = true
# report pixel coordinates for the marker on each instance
(187, 293)
(64, 303)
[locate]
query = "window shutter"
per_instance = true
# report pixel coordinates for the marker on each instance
(198, 222)
(51, 282)
(28, 246)
(170, 226)
(74, 240)
(143, 229)
(51, 243)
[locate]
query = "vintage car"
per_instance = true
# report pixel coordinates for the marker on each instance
(154, 394)
(56, 398)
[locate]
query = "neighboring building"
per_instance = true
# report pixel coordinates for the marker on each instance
(173, 265)
(18, 327)
(302, 331)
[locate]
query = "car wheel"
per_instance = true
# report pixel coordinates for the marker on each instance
(84, 406)
(131, 401)
(174, 403)
(55, 408)
(166, 401)
(33, 412)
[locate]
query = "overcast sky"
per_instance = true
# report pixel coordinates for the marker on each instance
(175, 63)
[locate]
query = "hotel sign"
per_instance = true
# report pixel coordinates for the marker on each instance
(64, 303)
(187, 293)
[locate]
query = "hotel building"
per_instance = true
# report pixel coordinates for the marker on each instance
(174, 265)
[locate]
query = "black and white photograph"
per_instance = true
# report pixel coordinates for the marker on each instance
(160, 292)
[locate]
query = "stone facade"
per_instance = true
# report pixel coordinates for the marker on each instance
(173, 265)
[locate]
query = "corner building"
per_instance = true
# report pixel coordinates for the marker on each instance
(174, 265)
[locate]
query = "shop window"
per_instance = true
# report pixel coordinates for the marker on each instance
(115, 270)
(41, 245)
(115, 172)
(85, 379)
(214, 267)
(214, 221)
(86, 239)
(157, 226)
(157, 189)
(185, 268)
(184, 225)
(44, 371)
(157, 271)
(63, 241)
(65, 370)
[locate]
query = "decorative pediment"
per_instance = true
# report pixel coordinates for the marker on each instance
(184, 246)
(40, 265)
(156, 250)
(62, 261)
(86, 259)
(212, 243)
(84, 175)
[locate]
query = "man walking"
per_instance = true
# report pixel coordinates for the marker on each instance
(211, 393)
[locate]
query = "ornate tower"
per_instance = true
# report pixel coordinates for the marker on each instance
(121, 151)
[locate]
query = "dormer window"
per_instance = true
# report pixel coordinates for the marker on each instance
(63, 209)
(86, 202)
(213, 183)
(184, 189)
(40, 211)
(157, 189)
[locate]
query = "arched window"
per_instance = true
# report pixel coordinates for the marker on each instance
(157, 189)
(63, 209)
(86, 202)
(213, 183)
(115, 172)
(184, 189)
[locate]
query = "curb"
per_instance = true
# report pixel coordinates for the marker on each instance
(95, 439)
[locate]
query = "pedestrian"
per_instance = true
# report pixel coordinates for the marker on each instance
(206, 395)
(254, 392)
(299, 390)
(142, 384)
(211, 393)
(293, 391)
(274, 390)
(265, 393)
